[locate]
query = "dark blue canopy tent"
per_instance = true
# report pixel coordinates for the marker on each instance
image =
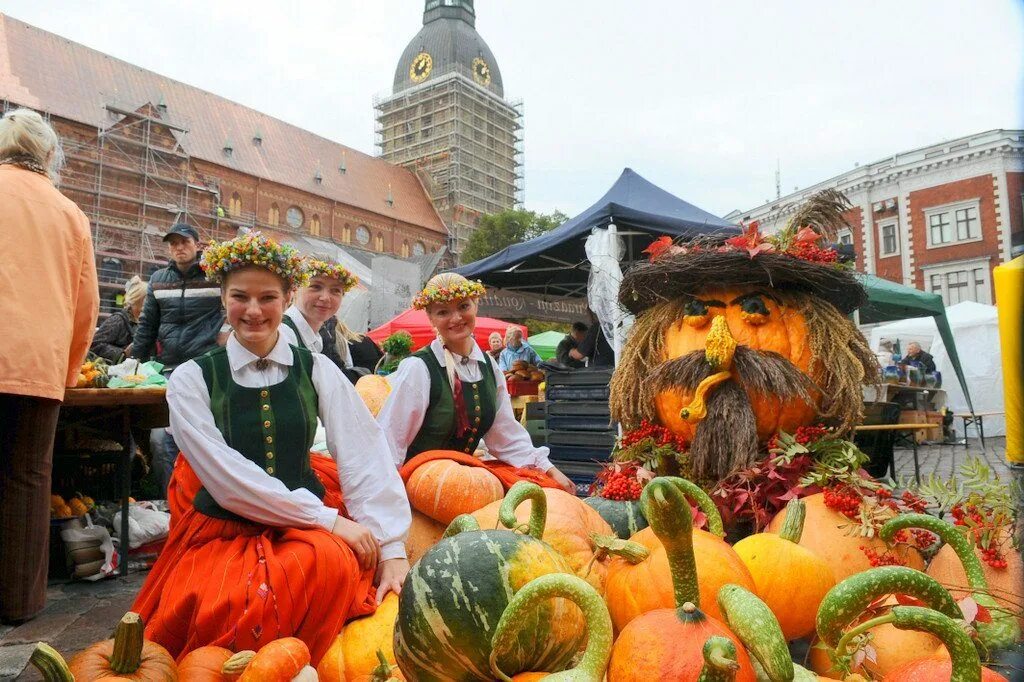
(555, 263)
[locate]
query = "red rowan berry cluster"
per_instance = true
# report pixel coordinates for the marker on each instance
(659, 434)
(885, 558)
(813, 252)
(620, 486)
(843, 499)
(806, 435)
(970, 516)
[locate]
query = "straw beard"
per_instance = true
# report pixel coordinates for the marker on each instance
(726, 438)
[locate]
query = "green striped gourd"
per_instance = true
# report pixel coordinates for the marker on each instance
(624, 516)
(455, 595)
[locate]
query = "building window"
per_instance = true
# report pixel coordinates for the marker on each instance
(405, 249)
(845, 238)
(378, 243)
(953, 223)
(235, 205)
(346, 233)
(418, 249)
(962, 281)
(295, 217)
(889, 239)
(274, 216)
(363, 235)
(314, 225)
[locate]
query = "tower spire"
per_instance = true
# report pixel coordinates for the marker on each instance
(449, 9)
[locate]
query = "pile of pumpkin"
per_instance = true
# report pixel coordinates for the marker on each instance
(523, 371)
(535, 585)
(93, 374)
(73, 507)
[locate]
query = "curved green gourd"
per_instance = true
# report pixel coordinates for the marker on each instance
(703, 502)
(758, 629)
(846, 601)
(633, 552)
(463, 523)
(517, 494)
(719, 660)
(592, 664)
(50, 664)
(1004, 630)
(793, 525)
(668, 512)
(962, 652)
(624, 516)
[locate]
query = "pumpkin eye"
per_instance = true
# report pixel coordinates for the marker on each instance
(695, 313)
(754, 311)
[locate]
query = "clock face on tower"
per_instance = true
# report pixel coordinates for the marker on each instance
(481, 72)
(420, 67)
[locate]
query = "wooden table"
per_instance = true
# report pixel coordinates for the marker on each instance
(117, 409)
(904, 436)
(977, 419)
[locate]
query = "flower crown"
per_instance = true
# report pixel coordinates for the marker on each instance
(443, 289)
(253, 249)
(322, 268)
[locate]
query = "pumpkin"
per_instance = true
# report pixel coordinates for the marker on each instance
(826, 534)
(569, 526)
(443, 489)
(424, 533)
(127, 656)
(279, 661)
(455, 594)
(1004, 584)
(374, 390)
(624, 516)
(791, 579)
(78, 507)
(668, 643)
(845, 603)
(356, 651)
(205, 664)
(592, 664)
(636, 585)
(1004, 630)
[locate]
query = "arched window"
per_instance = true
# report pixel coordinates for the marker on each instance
(346, 233)
(273, 215)
(405, 249)
(314, 225)
(235, 205)
(379, 245)
(363, 235)
(418, 249)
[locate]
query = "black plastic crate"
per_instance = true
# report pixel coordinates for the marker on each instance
(579, 423)
(576, 453)
(579, 377)
(577, 393)
(596, 439)
(582, 409)
(536, 410)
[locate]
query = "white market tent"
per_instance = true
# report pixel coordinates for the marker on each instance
(975, 328)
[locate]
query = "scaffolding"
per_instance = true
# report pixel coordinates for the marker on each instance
(465, 139)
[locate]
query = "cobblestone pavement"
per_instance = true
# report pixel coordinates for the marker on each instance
(80, 613)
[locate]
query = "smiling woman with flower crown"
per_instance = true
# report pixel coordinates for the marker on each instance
(261, 546)
(449, 395)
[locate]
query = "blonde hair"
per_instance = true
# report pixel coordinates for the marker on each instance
(25, 133)
(494, 335)
(342, 334)
(134, 291)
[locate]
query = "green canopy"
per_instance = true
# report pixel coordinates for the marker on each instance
(888, 301)
(545, 343)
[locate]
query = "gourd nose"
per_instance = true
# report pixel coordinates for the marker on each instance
(720, 345)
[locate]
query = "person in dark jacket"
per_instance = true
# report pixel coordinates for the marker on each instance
(917, 356)
(113, 338)
(356, 354)
(571, 342)
(594, 346)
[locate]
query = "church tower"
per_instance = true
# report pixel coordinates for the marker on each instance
(447, 118)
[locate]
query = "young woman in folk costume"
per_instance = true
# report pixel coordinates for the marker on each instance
(316, 303)
(449, 395)
(261, 544)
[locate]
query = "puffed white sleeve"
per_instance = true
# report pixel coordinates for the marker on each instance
(373, 490)
(236, 483)
(406, 406)
(507, 439)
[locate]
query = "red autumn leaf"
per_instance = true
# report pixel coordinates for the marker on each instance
(658, 247)
(751, 241)
(907, 600)
(807, 235)
(973, 611)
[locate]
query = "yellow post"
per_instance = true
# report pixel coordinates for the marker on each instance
(1009, 285)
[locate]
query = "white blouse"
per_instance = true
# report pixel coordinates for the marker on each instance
(403, 413)
(310, 339)
(373, 491)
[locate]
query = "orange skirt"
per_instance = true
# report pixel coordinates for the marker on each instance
(240, 585)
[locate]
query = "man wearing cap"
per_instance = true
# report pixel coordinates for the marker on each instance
(181, 318)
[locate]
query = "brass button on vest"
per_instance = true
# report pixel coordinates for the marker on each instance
(266, 425)
(270, 439)
(270, 470)
(266, 408)
(270, 455)
(264, 393)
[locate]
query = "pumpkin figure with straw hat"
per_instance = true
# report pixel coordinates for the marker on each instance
(737, 340)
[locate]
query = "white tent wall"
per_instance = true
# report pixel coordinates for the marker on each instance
(976, 331)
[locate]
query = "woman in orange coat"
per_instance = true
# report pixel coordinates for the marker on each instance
(48, 306)
(261, 545)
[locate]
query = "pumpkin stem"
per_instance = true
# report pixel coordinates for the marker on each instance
(463, 523)
(592, 664)
(846, 601)
(719, 660)
(237, 663)
(50, 664)
(1004, 630)
(128, 641)
(668, 512)
(793, 526)
(757, 628)
(698, 408)
(633, 552)
(704, 502)
(720, 345)
(383, 670)
(517, 494)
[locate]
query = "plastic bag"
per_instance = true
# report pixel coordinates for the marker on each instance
(145, 524)
(131, 374)
(79, 539)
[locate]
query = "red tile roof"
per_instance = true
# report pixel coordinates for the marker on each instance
(69, 80)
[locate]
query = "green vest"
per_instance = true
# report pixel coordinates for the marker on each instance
(273, 426)
(295, 328)
(438, 430)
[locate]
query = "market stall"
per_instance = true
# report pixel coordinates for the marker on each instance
(415, 322)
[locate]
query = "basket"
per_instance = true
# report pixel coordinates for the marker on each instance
(520, 387)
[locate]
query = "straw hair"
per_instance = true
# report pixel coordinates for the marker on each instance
(25, 134)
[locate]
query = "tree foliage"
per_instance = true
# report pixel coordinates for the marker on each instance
(499, 230)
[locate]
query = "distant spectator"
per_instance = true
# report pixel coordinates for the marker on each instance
(916, 356)
(496, 344)
(594, 346)
(113, 339)
(49, 305)
(571, 342)
(885, 352)
(516, 349)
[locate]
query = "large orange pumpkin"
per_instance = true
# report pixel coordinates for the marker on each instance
(442, 489)
(826, 533)
(127, 656)
(357, 649)
(570, 524)
(424, 533)
(781, 331)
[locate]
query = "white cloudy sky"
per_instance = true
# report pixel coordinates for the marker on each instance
(699, 97)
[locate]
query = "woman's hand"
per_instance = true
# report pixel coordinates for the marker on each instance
(360, 539)
(562, 480)
(390, 576)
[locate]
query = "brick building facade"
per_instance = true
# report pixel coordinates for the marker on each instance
(938, 218)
